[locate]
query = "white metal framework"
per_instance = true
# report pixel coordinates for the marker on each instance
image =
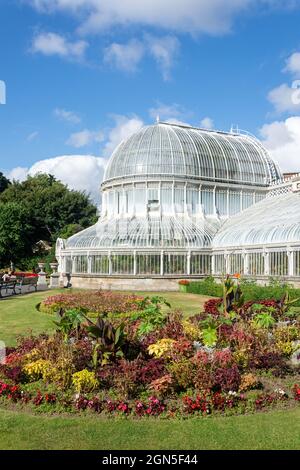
(179, 201)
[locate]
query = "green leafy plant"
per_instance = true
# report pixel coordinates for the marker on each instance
(151, 315)
(69, 321)
(108, 341)
(264, 320)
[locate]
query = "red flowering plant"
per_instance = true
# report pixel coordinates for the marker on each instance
(296, 392)
(184, 282)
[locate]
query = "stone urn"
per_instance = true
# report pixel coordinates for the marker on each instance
(54, 267)
(42, 280)
(41, 267)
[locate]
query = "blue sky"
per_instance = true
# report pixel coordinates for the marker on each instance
(83, 74)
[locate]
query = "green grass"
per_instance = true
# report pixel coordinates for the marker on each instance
(274, 430)
(18, 314)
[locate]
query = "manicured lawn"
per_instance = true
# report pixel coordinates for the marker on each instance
(18, 314)
(274, 430)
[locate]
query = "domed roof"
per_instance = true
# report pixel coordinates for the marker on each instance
(275, 220)
(176, 151)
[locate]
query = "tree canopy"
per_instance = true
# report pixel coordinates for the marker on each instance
(40, 208)
(4, 182)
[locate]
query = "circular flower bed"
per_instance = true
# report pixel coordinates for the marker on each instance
(140, 359)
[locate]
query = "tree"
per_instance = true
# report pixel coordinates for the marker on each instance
(15, 233)
(49, 205)
(4, 183)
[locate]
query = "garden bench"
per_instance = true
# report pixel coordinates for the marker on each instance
(27, 281)
(8, 286)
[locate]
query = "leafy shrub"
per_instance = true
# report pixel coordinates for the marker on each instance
(251, 290)
(249, 381)
(84, 381)
(162, 348)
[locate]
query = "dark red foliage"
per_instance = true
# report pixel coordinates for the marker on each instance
(50, 398)
(82, 354)
(267, 399)
(267, 360)
(211, 307)
(226, 379)
(14, 373)
(151, 370)
(26, 345)
(38, 399)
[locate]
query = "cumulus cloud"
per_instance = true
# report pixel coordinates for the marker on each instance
(293, 64)
(207, 123)
(68, 116)
(80, 172)
(85, 138)
(285, 98)
(125, 56)
(124, 128)
(164, 50)
(213, 17)
(55, 44)
(173, 113)
(282, 139)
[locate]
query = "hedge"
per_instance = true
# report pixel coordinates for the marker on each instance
(251, 290)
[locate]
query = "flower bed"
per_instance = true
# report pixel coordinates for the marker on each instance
(99, 302)
(139, 359)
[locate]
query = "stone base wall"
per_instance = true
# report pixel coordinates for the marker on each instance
(122, 283)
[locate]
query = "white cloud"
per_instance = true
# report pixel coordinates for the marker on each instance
(55, 44)
(85, 138)
(125, 56)
(164, 50)
(80, 172)
(68, 116)
(32, 136)
(18, 173)
(284, 99)
(207, 123)
(173, 113)
(293, 64)
(124, 128)
(282, 139)
(192, 16)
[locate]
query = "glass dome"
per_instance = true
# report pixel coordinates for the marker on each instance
(150, 232)
(166, 149)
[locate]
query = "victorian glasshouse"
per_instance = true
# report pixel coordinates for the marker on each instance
(181, 202)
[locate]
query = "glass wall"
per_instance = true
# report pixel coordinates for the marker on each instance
(175, 263)
(200, 264)
(220, 264)
(100, 264)
(80, 264)
(122, 264)
(147, 263)
(236, 262)
(256, 264)
(279, 263)
(297, 263)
